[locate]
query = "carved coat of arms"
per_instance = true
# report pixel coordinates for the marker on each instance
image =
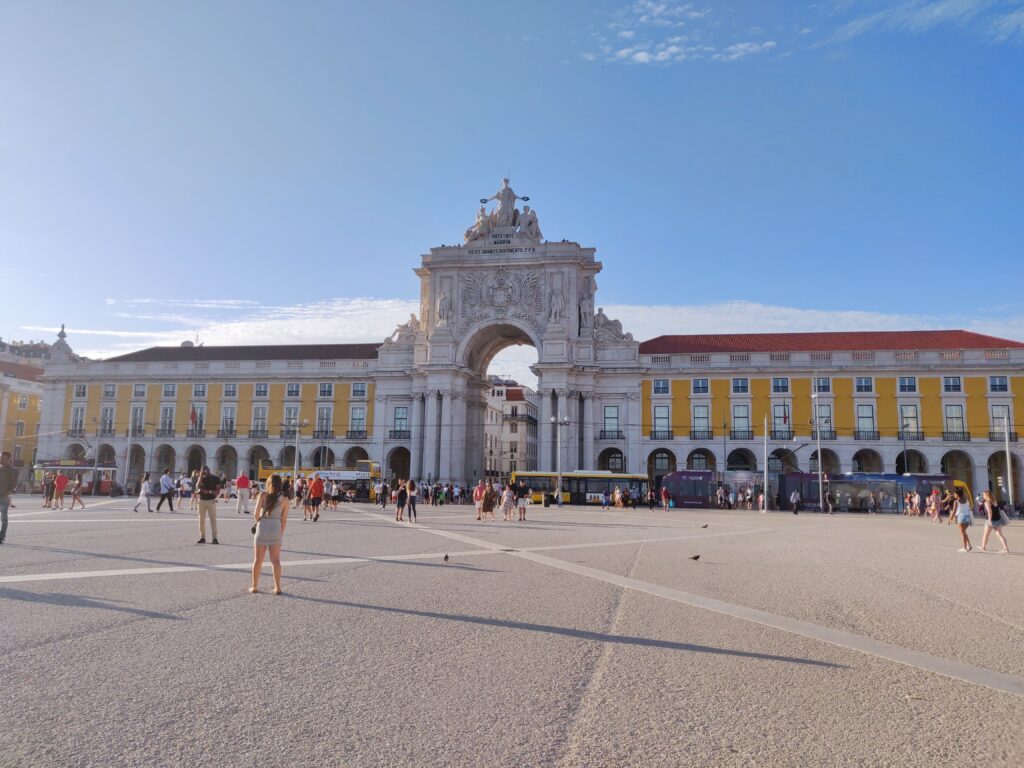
(499, 294)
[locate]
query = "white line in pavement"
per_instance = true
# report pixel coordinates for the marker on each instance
(53, 511)
(964, 672)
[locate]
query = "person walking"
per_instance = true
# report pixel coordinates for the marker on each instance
(76, 492)
(400, 500)
(412, 488)
(271, 520)
(478, 499)
(508, 503)
(382, 495)
(489, 500)
(794, 501)
(993, 523)
(8, 482)
(964, 515)
(193, 497)
(166, 490)
(523, 498)
(316, 497)
(242, 492)
(60, 484)
(48, 491)
(208, 490)
(144, 493)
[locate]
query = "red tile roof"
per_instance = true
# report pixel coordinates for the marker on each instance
(20, 371)
(841, 341)
(265, 352)
(515, 394)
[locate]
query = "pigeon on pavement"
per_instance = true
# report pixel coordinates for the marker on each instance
(705, 525)
(695, 557)
(446, 557)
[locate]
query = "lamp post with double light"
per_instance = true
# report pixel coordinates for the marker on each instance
(558, 422)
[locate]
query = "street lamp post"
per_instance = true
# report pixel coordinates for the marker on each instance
(725, 451)
(298, 430)
(559, 422)
(815, 420)
(906, 468)
(1009, 458)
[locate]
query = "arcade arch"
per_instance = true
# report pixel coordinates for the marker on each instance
(867, 460)
(958, 465)
(195, 458)
(660, 463)
(354, 454)
(227, 461)
(398, 463)
(701, 458)
(166, 457)
(997, 471)
(830, 462)
(611, 460)
(257, 454)
(914, 462)
(742, 459)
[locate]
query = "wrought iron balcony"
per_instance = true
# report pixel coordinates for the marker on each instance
(1000, 436)
(355, 434)
(165, 432)
(826, 434)
(956, 437)
(107, 431)
(323, 434)
(782, 434)
(138, 431)
(196, 432)
(661, 434)
(76, 432)
(400, 434)
(911, 434)
(611, 434)
(259, 433)
(865, 434)
(226, 432)
(702, 434)
(288, 433)
(741, 434)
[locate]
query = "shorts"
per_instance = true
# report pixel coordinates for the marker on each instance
(963, 519)
(995, 522)
(314, 501)
(521, 502)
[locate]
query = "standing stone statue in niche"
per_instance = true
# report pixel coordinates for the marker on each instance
(556, 313)
(528, 226)
(444, 310)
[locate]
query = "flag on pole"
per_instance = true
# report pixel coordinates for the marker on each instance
(193, 417)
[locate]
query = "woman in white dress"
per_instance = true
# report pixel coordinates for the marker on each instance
(144, 491)
(271, 519)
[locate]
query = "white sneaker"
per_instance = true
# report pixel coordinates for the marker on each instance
(963, 550)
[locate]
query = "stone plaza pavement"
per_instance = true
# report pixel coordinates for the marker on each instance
(578, 638)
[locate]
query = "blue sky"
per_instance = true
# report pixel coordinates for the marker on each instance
(266, 172)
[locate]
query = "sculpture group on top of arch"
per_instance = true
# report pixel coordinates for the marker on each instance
(505, 216)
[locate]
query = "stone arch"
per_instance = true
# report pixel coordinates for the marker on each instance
(257, 454)
(75, 452)
(958, 465)
(830, 462)
(701, 458)
(107, 454)
(867, 460)
(660, 462)
(166, 457)
(323, 457)
(354, 454)
(914, 463)
(399, 460)
(611, 460)
(996, 465)
(482, 342)
(286, 458)
(136, 464)
(742, 459)
(227, 461)
(195, 458)
(786, 460)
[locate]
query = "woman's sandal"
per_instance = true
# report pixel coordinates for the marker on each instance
(253, 590)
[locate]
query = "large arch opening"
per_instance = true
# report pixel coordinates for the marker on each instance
(742, 460)
(867, 460)
(611, 460)
(286, 459)
(999, 480)
(830, 462)
(660, 463)
(323, 457)
(257, 454)
(75, 452)
(398, 463)
(107, 455)
(959, 466)
(165, 458)
(136, 466)
(783, 460)
(701, 458)
(195, 458)
(227, 461)
(911, 462)
(354, 454)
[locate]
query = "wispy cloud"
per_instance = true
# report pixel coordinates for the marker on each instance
(742, 50)
(371, 320)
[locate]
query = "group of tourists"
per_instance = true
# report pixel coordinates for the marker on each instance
(508, 498)
(56, 486)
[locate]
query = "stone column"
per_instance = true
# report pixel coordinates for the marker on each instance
(447, 435)
(564, 432)
(589, 459)
(634, 462)
(416, 443)
(430, 436)
(380, 430)
(457, 443)
(545, 454)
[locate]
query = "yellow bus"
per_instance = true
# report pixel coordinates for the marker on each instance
(582, 486)
(357, 482)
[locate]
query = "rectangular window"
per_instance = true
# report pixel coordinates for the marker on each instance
(513, 427)
(167, 417)
(109, 391)
(359, 389)
(78, 417)
(358, 418)
(864, 384)
(170, 391)
(908, 384)
(955, 418)
(326, 389)
(701, 419)
(951, 384)
(661, 386)
(81, 390)
(198, 390)
(740, 386)
(17, 454)
(292, 389)
(823, 384)
(908, 418)
(23, 403)
(324, 417)
(230, 391)
(997, 384)
(865, 418)
(107, 418)
(780, 416)
(661, 418)
(259, 417)
(227, 417)
(261, 390)
(138, 420)
(291, 415)
(825, 415)
(200, 417)
(700, 386)
(780, 386)
(139, 391)
(741, 417)
(19, 429)
(402, 418)
(1000, 418)
(515, 410)
(611, 418)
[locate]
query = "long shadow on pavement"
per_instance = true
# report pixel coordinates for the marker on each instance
(79, 601)
(582, 634)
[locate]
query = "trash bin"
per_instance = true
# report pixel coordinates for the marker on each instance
(547, 500)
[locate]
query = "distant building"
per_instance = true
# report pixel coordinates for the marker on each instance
(21, 401)
(32, 352)
(510, 429)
